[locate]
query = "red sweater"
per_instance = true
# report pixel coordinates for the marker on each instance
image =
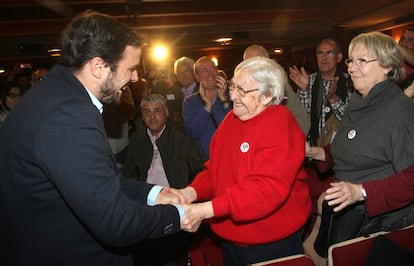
(255, 178)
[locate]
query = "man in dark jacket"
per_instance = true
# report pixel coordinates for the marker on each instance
(161, 154)
(62, 201)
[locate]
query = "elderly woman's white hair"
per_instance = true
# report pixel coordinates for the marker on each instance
(270, 77)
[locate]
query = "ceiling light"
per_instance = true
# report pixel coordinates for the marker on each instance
(278, 50)
(224, 40)
(160, 52)
(55, 52)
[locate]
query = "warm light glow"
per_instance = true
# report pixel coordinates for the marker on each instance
(25, 65)
(397, 38)
(54, 50)
(214, 59)
(224, 41)
(278, 50)
(160, 53)
(2, 70)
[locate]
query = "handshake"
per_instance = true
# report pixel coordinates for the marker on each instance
(194, 213)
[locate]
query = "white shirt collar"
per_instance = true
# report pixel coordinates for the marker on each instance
(95, 101)
(154, 138)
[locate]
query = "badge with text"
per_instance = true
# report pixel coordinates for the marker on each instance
(351, 134)
(244, 147)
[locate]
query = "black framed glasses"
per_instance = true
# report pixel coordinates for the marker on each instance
(361, 62)
(14, 95)
(234, 87)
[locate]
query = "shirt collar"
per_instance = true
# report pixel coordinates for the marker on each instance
(95, 101)
(190, 88)
(154, 138)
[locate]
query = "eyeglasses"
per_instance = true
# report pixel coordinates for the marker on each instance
(14, 95)
(329, 53)
(361, 62)
(234, 87)
(406, 39)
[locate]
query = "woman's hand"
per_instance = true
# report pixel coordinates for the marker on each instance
(195, 214)
(409, 91)
(314, 153)
(343, 194)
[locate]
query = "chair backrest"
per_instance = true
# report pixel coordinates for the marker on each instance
(294, 260)
(355, 251)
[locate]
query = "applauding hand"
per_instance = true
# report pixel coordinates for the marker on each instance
(301, 78)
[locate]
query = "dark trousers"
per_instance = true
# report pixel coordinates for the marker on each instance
(163, 251)
(235, 255)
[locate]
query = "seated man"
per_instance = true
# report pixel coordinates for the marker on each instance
(161, 154)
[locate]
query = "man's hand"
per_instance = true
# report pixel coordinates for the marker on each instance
(221, 83)
(167, 198)
(208, 101)
(186, 195)
(301, 78)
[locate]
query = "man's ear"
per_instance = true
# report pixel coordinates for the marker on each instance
(97, 66)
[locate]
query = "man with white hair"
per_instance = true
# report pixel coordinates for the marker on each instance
(184, 71)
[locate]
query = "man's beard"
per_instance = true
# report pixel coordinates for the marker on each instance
(108, 94)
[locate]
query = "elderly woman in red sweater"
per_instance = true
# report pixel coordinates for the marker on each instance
(253, 187)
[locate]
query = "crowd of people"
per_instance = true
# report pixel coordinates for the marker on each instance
(110, 166)
(15, 85)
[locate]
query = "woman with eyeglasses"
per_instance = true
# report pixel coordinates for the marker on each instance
(253, 188)
(372, 155)
(10, 96)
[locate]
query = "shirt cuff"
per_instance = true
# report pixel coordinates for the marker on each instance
(153, 194)
(180, 211)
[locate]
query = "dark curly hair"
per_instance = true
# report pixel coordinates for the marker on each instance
(94, 34)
